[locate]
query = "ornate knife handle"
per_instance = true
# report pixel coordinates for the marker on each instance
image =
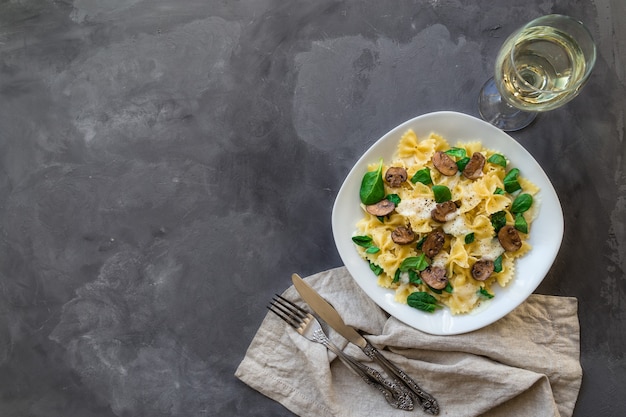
(394, 392)
(395, 395)
(428, 402)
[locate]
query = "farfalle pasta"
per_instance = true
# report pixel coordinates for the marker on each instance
(444, 239)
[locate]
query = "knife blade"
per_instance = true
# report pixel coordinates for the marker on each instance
(328, 313)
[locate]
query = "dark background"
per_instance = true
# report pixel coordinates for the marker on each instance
(166, 165)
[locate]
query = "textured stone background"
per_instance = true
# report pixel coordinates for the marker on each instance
(165, 165)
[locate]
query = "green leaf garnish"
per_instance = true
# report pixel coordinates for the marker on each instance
(449, 288)
(499, 191)
(498, 220)
(497, 264)
(417, 263)
(497, 159)
(457, 152)
(414, 277)
(423, 176)
(365, 241)
(376, 269)
(372, 186)
(420, 242)
(520, 223)
(522, 203)
(396, 276)
(510, 181)
(469, 238)
(462, 163)
(394, 198)
(422, 301)
(484, 293)
(442, 193)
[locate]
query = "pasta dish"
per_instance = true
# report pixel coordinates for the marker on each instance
(442, 225)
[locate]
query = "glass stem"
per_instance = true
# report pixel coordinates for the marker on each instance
(500, 113)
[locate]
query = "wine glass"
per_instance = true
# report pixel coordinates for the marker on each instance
(540, 67)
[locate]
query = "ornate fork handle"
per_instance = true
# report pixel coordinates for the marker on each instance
(428, 402)
(394, 394)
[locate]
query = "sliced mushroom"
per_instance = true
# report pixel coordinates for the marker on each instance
(433, 243)
(403, 235)
(444, 163)
(509, 238)
(435, 277)
(383, 208)
(395, 176)
(442, 210)
(474, 167)
(482, 269)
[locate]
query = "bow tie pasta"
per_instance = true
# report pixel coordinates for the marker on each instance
(444, 224)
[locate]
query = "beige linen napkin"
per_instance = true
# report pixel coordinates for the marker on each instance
(524, 365)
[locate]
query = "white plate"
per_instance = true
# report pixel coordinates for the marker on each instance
(545, 237)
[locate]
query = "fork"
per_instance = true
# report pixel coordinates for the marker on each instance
(308, 326)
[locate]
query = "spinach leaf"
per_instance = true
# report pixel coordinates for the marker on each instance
(414, 277)
(422, 301)
(376, 269)
(498, 220)
(469, 238)
(396, 276)
(484, 293)
(423, 176)
(497, 264)
(522, 203)
(497, 159)
(394, 198)
(457, 152)
(520, 223)
(442, 193)
(510, 181)
(417, 263)
(462, 163)
(365, 241)
(372, 186)
(499, 191)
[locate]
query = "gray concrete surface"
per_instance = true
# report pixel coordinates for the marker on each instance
(166, 165)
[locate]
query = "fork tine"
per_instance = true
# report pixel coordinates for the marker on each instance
(286, 307)
(283, 309)
(301, 312)
(283, 316)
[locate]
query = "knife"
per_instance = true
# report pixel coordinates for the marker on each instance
(328, 313)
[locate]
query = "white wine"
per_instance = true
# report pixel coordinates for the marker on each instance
(540, 69)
